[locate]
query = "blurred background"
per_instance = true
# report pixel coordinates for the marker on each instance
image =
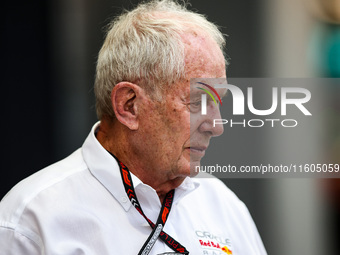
(48, 58)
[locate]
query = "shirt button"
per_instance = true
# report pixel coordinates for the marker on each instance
(124, 199)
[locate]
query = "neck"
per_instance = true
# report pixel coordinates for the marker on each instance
(118, 140)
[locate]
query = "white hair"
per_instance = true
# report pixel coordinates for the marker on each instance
(144, 46)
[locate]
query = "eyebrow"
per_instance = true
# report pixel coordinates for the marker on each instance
(211, 88)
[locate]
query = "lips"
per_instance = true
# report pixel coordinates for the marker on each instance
(197, 150)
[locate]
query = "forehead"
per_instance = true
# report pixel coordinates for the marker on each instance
(203, 60)
(203, 57)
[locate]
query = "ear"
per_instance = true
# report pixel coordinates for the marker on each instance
(125, 97)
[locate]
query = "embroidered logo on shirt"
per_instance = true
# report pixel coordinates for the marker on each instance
(226, 250)
(213, 244)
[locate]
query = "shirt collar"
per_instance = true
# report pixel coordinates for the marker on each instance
(105, 169)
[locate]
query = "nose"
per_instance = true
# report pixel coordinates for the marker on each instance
(207, 124)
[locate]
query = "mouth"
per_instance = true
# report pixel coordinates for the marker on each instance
(198, 151)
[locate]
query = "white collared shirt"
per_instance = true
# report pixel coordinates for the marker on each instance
(78, 206)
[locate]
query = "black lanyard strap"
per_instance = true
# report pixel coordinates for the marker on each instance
(157, 229)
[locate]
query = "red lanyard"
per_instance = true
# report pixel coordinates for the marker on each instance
(157, 229)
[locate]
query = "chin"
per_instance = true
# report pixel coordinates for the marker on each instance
(194, 168)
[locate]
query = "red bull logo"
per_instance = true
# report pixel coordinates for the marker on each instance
(227, 250)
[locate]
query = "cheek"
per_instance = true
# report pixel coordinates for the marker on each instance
(177, 133)
(178, 121)
(195, 122)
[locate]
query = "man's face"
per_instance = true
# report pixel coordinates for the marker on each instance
(202, 125)
(176, 135)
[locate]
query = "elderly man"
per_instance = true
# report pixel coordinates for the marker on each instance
(128, 190)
